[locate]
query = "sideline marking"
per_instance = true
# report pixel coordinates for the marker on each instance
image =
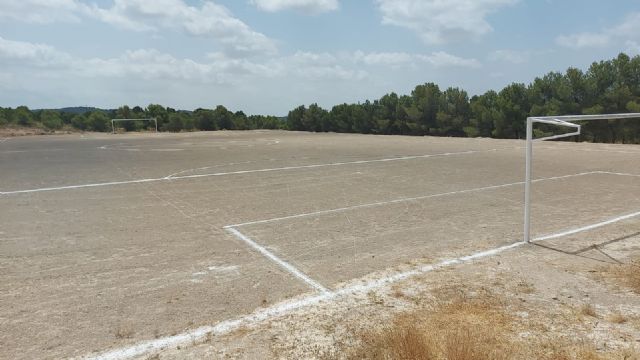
(312, 166)
(290, 268)
(379, 203)
(618, 173)
(284, 308)
(588, 227)
(591, 150)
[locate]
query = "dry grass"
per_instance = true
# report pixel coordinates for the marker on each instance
(459, 330)
(627, 274)
(465, 329)
(588, 310)
(524, 287)
(630, 273)
(617, 318)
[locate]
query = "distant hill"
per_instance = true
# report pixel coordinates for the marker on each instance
(79, 109)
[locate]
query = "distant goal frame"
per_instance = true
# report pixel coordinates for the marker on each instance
(113, 121)
(566, 121)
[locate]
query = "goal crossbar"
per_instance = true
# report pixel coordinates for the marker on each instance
(564, 121)
(113, 121)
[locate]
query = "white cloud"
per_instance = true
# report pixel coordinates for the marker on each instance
(42, 11)
(628, 30)
(633, 47)
(443, 59)
(440, 21)
(317, 66)
(208, 20)
(137, 64)
(384, 58)
(304, 6)
(151, 64)
(216, 68)
(510, 56)
(583, 40)
(436, 59)
(36, 54)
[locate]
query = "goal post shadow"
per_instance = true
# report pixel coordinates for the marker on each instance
(564, 121)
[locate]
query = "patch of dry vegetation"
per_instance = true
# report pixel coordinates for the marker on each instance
(629, 274)
(457, 330)
(617, 318)
(471, 328)
(588, 310)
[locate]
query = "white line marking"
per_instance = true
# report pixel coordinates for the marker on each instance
(213, 166)
(284, 308)
(289, 306)
(380, 203)
(78, 186)
(618, 173)
(588, 227)
(290, 268)
(112, 183)
(592, 150)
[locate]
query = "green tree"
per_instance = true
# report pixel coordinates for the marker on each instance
(513, 103)
(98, 121)
(294, 119)
(223, 118)
(315, 118)
(80, 122)
(3, 118)
(426, 102)
(51, 119)
(159, 113)
(455, 111)
(485, 113)
(23, 116)
(205, 119)
(241, 122)
(175, 123)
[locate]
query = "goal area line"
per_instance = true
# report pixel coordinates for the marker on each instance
(289, 306)
(314, 284)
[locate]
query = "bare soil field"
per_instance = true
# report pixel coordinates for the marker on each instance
(299, 245)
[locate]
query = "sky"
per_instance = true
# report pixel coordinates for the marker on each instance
(269, 56)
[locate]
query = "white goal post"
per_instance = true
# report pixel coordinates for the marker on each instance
(113, 122)
(565, 121)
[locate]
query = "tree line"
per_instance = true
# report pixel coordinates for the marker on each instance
(168, 119)
(606, 87)
(610, 86)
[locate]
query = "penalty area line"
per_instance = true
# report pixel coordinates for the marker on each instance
(271, 256)
(285, 307)
(407, 199)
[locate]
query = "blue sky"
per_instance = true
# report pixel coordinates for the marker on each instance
(268, 56)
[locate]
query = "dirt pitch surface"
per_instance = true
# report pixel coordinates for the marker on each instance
(116, 246)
